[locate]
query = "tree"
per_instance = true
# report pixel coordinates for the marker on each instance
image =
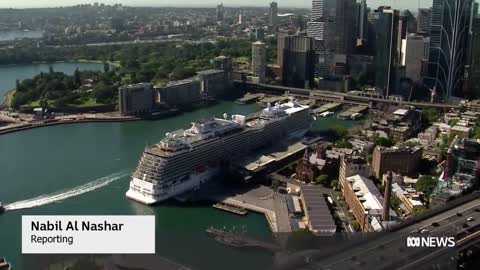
(344, 143)
(394, 202)
(381, 141)
(103, 93)
(430, 115)
(427, 185)
(334, 184)
(476, 132)
(322, 180)
(355, 225)
(43, 103)
(276, 183)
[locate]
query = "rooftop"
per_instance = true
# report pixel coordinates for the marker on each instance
(321, 219)
(366, 189)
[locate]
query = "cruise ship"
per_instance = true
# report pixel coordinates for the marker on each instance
(185, 159)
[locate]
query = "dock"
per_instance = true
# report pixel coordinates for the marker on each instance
(272, 100)
(249, 98)
(230, 208)
(332, 107)
(353, 113)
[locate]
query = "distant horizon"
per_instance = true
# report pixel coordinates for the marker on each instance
(25, 4)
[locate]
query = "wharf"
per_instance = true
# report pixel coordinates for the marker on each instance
(272, 100)
(348, 114)
(62, 121)
(230, 208)
(249, 98)
(332, 107)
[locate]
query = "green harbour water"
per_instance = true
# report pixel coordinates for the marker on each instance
(83, 169)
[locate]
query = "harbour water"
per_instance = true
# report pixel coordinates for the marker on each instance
(13, 35)
(83, 169)
(9, 74)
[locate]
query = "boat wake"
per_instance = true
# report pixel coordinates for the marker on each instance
(65, 194)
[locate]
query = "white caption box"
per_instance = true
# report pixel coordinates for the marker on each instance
(88, 234)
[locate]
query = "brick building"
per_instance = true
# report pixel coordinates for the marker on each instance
(401, 160)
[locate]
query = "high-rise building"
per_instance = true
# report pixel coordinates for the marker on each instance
(386, 50)
(331, 25)
(214, 83)
(409, 23)
(416, 56)
(472, 85)
(135, 99)
(179, 93)
(220, 13)
(424, 21)
(448, 47)
(361, 22)
(259, 60)
(296, 56)
(273, 14)
(224, 63)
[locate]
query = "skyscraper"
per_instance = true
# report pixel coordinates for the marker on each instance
(259, 60)
(473, 86)
(220, 13)
(448, 47)
(416, 56)
(296, 56)
(361, 22)
(331, 25)
(424, 20)
(387, 52)
(273, 14)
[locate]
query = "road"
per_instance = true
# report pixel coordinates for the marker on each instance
(342, 97)
(389, 250)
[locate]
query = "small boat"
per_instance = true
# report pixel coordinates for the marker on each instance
(326, 114)
(2, 208)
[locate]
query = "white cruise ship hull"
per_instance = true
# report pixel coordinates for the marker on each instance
(148, 193)
(184, 162)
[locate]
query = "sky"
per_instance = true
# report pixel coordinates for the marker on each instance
(411, 4)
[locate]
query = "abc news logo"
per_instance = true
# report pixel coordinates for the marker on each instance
(435, 242)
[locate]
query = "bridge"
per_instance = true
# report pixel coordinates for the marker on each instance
(330, 96)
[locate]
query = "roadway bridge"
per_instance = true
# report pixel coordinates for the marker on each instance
(329, 96)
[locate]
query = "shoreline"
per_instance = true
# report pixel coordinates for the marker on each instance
(83, 61)
(4, 99)
(47, 123)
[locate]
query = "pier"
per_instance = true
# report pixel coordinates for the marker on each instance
(353, 112)
(332, 107)
(249, 98)
(230, 208)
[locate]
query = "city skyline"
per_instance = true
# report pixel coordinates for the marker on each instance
(411, 4)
